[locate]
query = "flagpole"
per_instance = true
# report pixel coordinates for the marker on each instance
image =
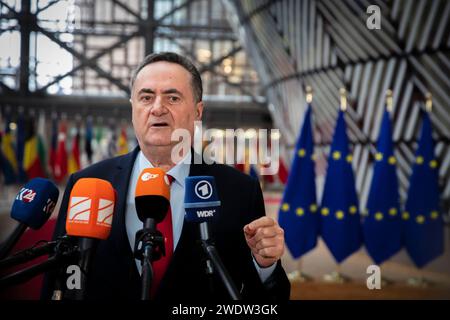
(297, 275)
(337, 276)
(420, 281)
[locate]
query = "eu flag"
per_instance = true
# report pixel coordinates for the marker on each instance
(298, 212)
(340, 219)
(424, 229)
(382, 226)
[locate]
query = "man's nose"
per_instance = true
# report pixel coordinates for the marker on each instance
(158, 107)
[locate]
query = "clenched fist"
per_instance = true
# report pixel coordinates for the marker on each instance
(265, 239)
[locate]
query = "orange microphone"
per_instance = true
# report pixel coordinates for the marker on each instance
(91, 208)
(89, 218)
(152, 196)
(152, 199)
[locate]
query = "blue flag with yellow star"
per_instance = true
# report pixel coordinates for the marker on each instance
(382, 227)
(424, 227)
(340, 225)
(298, 212)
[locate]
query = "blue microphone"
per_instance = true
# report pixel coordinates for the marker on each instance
(201, 200)
(202, 205)
(32, 207)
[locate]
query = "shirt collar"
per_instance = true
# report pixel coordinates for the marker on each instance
(180, 171)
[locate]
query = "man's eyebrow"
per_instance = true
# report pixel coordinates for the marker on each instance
(172, 90)
(145, 90)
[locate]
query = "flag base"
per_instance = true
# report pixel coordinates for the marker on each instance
(336, 277)
(298, 276)
(419, 282)
(386, 282)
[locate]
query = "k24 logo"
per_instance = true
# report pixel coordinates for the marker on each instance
(26, 195)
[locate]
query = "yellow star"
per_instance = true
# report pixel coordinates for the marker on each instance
(300, 212)
(420, 219)
(349, 158)
(434, 215)
(301, 153)
(393, 212)
(419, 160)
(313, 157)
(405, 215)
(336, 155)
(325, 211)
(378, 216)
(379, 156)
(433, 164)
(285, 207)
(392, 160)
(353, 209)
(340, 215)
(313, 208)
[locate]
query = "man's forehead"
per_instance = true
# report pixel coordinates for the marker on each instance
(163, 70)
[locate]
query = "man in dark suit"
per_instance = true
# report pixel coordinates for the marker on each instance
(166, 95)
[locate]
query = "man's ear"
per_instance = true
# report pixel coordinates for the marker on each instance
(199, 110)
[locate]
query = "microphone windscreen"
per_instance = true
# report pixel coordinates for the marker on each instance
(35, 203)
(91, 208)
(152, 195)
(201, 200)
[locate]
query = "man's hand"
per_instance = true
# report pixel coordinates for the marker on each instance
(265, 239)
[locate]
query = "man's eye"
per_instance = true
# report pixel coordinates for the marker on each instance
(174, 99)
(146, 98)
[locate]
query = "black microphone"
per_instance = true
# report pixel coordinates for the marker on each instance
(152, 199)
(202, 204)
(32, 207)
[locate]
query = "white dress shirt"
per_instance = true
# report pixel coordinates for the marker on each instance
(179, 172)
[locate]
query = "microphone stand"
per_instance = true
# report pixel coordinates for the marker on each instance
(12, 240)
(64, 252)
(213, 260)
(148, 247)
(31, 253)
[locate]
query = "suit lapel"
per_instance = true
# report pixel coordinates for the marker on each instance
(121, 181)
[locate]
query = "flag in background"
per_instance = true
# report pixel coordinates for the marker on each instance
(41, 134)
(382, 223)
(253, 172)
(122, 144)
(60, 169)
(73, 164)
(340, 219)
(423, 224)
(88, 140)
(283, 173)
(20, 146)
(298, 213)
(31, 161)
(8, 157)
(53, 146)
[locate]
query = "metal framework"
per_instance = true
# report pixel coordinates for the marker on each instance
(326, 44)
(108, 38)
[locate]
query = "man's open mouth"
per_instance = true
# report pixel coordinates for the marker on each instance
(160, 125)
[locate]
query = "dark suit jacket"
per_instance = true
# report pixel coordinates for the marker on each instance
(114, 274)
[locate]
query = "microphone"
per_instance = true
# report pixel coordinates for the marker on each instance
(89, 218)
(152, 199)
(32, 207)
(202, 205)
(201, 202)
